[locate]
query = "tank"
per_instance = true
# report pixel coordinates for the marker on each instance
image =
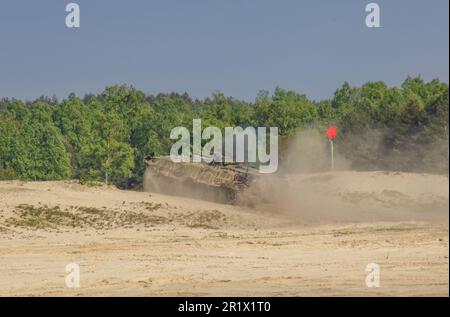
(222, 182)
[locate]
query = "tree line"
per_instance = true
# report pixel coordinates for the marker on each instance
(109, 135)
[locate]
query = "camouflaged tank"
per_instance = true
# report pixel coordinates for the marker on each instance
(223, 182)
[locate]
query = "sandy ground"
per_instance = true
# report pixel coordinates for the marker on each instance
(315, 240)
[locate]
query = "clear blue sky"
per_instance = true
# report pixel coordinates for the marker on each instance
(235, 46)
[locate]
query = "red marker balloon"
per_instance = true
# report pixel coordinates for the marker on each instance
(331, 132)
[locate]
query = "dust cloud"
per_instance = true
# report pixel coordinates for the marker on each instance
(307, 190)
(310, 152)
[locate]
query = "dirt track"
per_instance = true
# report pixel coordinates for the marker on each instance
(136, 243)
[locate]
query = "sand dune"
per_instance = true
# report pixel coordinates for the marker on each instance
(313, 235)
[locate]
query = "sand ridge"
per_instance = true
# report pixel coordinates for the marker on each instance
(148, 244)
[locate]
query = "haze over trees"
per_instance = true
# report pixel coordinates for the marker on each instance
(108, 135)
